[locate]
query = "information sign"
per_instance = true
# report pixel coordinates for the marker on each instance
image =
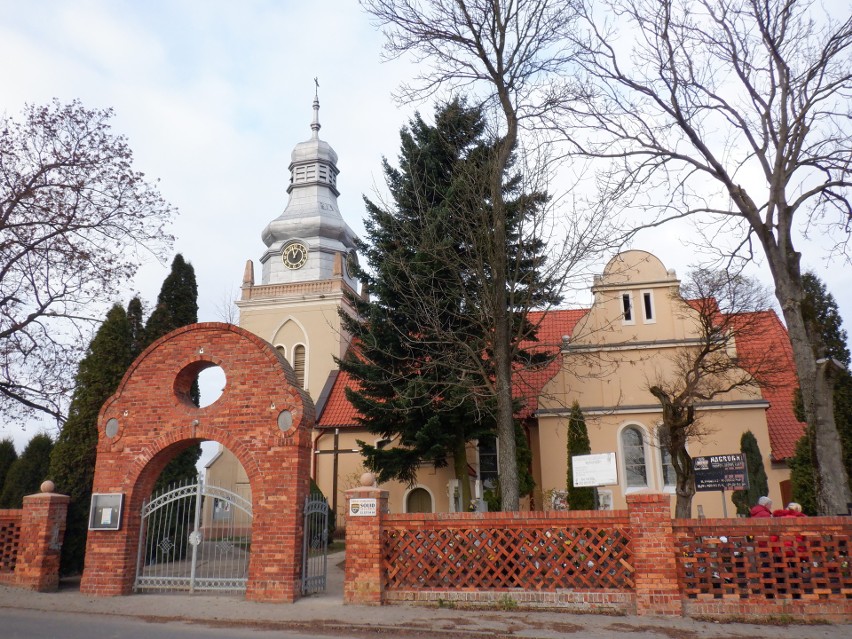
(594, 470)
(720, 472)
(362, 507)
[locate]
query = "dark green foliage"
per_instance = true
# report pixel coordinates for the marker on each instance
(72, 462)
(578, 444)
(27, 472)
(177, 303)
(802, 477)
(8, 456)
(413, 389)
(758, 483)
(177, 306)
(823, 321)
(136, 324)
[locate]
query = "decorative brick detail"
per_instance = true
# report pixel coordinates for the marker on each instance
(756, 568)
(156, 420)
(10, 539)
(657, 590)
(42, 532)
(363, 577)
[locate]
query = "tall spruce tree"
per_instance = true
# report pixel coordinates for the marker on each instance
(582, 498)
(8, 456)
(825, 326)
(412, 389)
(72, 461)
(177, 306)
(758, 485)
(27, 472)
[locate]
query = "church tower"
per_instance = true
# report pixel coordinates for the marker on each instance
(305, 270)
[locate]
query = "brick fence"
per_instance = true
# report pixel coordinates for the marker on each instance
(637, 561)
(31, 540)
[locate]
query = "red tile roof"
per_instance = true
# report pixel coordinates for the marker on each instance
(770, 336)
(337, 412)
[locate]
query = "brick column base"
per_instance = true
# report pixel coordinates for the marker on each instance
(42, 532)
(654, 563)
(363, 577)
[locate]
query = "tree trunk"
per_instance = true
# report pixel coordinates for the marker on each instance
(507, 453)
(815, 381)
(685, 487)
(461, 470)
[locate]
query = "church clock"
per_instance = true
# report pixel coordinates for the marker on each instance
(295, 255)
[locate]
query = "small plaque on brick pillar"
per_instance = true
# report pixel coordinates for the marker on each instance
(362, 507)
(105, 512)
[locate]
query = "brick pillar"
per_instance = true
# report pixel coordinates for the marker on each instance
(42, 532)
(363, 577)
(654, 562)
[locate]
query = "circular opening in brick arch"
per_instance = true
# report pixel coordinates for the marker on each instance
(211, 385)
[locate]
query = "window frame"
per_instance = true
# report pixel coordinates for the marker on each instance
(625, 479)
(626, 305)
(647, 295)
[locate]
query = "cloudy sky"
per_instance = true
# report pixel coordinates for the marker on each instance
(213, 95)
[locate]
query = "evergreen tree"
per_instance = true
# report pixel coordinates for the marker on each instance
(802, 478)
(136, 324)
(757, 481)
(582, 498)
(411, 387)
(27, 472)
(8, 456)
(72, 461)
(177, 306)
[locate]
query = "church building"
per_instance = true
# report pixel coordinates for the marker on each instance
(604, 357)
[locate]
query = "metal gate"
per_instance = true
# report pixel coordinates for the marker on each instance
(315, 544)
(193, 537)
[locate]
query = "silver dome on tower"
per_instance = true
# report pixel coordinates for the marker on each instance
(310, 239)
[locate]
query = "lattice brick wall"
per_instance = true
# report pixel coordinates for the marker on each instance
(764, 560)
(10, 539)
(530, 556)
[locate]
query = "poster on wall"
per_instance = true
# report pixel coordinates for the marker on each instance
(105, 512)
(594, 470)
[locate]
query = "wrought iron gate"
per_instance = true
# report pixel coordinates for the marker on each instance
(194, 536)
(315, 544)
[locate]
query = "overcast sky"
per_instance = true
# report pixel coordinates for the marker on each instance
(213, 95)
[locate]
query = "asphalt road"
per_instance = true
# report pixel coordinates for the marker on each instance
(34, 624)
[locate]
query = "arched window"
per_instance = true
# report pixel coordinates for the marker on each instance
(418, 501)
(299, 364)
(282, 350)
(633, 448)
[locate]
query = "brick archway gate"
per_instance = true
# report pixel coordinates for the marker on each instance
(262, 417)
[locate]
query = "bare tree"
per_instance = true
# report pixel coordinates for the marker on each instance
(736, 112)
(723, 309)
(74, 218)
(512, 54)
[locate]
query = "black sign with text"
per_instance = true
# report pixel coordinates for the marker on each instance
(720, 472)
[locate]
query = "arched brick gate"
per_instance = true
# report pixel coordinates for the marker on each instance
(262, 417)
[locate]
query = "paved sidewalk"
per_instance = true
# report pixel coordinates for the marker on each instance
(326, 614)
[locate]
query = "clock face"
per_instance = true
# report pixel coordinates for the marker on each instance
(295, 255)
